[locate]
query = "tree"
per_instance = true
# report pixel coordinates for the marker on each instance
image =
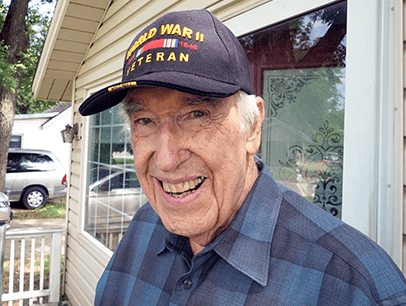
(38, 26)
(19, 54)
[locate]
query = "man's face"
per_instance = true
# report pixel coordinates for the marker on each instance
(192, 160)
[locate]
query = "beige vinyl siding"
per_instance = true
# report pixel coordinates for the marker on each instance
(121, 25)
(86, 258)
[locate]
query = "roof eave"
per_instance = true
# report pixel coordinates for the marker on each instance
(54, 28)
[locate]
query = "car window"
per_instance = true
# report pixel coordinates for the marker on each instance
(97, 174)
(131, 180)
(104, 187)
(117, 182)
(120, 181)
(27, 162)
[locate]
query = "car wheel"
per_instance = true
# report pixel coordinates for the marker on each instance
(34, 197)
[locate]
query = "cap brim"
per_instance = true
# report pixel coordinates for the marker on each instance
(185, 82)
(102, 100)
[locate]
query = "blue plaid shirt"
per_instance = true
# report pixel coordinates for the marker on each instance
(279, 250)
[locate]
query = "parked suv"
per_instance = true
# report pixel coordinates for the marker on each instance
(33, 176)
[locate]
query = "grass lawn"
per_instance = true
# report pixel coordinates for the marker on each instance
(51, 210)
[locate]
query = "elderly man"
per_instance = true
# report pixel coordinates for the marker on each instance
(218, 230)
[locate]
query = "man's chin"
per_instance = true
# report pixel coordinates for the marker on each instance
(199, 231)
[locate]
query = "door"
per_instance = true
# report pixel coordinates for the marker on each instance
(298, 66)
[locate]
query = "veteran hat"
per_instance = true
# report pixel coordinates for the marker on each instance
(189, 51)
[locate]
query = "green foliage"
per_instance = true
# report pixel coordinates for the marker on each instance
(37, 29)
(38, 26)
(47, 263)
(7, 71)
(49, 211)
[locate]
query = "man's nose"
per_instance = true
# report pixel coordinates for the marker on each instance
(170, 153)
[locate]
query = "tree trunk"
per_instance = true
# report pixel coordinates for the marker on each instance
(7, 111)
(13, 35)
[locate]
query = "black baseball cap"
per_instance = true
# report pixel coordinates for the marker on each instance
(189, 51)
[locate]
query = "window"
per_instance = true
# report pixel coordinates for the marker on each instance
(114, 193)
(15, 141)
(26, 162)
(298, 67)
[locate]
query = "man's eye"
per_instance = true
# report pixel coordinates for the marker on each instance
(143, 121)
(197, 114)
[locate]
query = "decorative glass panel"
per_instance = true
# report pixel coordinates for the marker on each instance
(298, 67)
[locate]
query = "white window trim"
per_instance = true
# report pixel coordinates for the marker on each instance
(84, 236)
(373, 121)
(373, 137)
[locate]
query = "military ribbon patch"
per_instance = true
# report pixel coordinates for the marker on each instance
(159, 43)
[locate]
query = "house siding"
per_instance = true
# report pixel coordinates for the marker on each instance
(85, 257)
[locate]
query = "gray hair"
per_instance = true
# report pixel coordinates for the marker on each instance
(246, 106)
(248, 109)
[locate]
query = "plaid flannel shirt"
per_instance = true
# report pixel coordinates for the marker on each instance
(279, 250)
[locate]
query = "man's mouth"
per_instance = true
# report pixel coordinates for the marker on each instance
(183, 189)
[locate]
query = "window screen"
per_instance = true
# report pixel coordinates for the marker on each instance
(114, 193)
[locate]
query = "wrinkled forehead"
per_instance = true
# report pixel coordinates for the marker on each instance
(140, 98)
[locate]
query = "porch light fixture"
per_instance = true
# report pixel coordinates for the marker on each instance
(69, 133)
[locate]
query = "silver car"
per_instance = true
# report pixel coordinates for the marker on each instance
(33, 176)
(6, 214)
(115, 198)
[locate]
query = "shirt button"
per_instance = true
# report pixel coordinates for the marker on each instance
(187, 283)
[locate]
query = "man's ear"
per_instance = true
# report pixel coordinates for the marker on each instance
(254, 137)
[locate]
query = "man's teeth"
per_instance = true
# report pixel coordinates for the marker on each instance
(177, 190)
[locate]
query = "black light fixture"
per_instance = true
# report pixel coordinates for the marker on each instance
(69, 133)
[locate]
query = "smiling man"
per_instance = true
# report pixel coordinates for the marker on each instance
(194, 162)
(218, 230)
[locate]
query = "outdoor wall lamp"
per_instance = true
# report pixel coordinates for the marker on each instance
(69, 133)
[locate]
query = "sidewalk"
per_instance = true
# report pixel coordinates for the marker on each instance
(16, 223)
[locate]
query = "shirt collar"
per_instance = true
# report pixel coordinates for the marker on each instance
(246, 244)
